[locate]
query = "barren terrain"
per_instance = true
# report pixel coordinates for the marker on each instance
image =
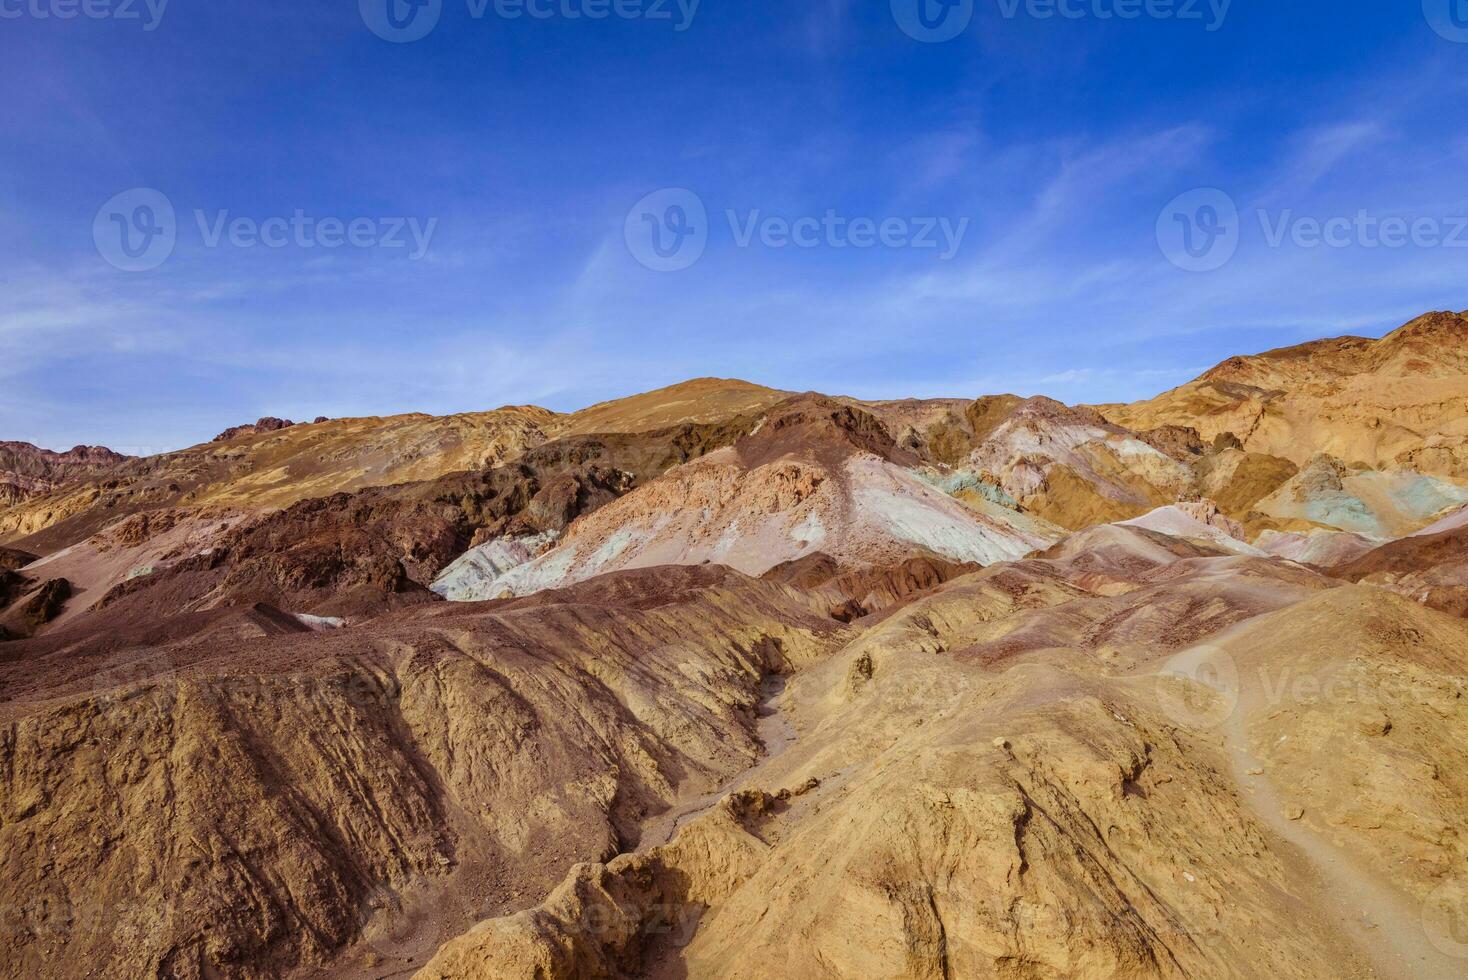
(724, 681)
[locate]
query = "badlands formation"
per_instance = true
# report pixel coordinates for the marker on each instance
(722, 681)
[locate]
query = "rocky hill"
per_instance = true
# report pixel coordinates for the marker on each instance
(260, 471)
(1397, 401)
(28, 471)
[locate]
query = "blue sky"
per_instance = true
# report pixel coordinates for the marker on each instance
(1058, 143)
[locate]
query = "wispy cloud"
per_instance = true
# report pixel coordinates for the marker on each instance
(1317, 153)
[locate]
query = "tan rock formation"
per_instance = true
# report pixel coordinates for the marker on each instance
(1377, 403)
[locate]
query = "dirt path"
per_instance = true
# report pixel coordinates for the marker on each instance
(1385, 924)
(776, 734)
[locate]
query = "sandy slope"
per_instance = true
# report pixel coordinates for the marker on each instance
(1374, 824)
(1042, 814)
(1453, 521)
(289, 789)
(1075, 468)
(1428, 568)
(986, 777)
(699, 400)
(1199, 522)
(1323, 548)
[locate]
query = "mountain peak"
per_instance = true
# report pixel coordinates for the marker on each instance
(693, 401)
(1389, 402)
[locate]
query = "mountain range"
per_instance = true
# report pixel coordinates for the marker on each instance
(725, 681)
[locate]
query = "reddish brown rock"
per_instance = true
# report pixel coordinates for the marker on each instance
(267, 424)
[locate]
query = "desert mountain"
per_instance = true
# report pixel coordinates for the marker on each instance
(1397, 401)
(258, 471)
(335, 777)
(28, 471)
(813, 476)
(700, 401)
(268, 424)
(274, 463)
(742, 683)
